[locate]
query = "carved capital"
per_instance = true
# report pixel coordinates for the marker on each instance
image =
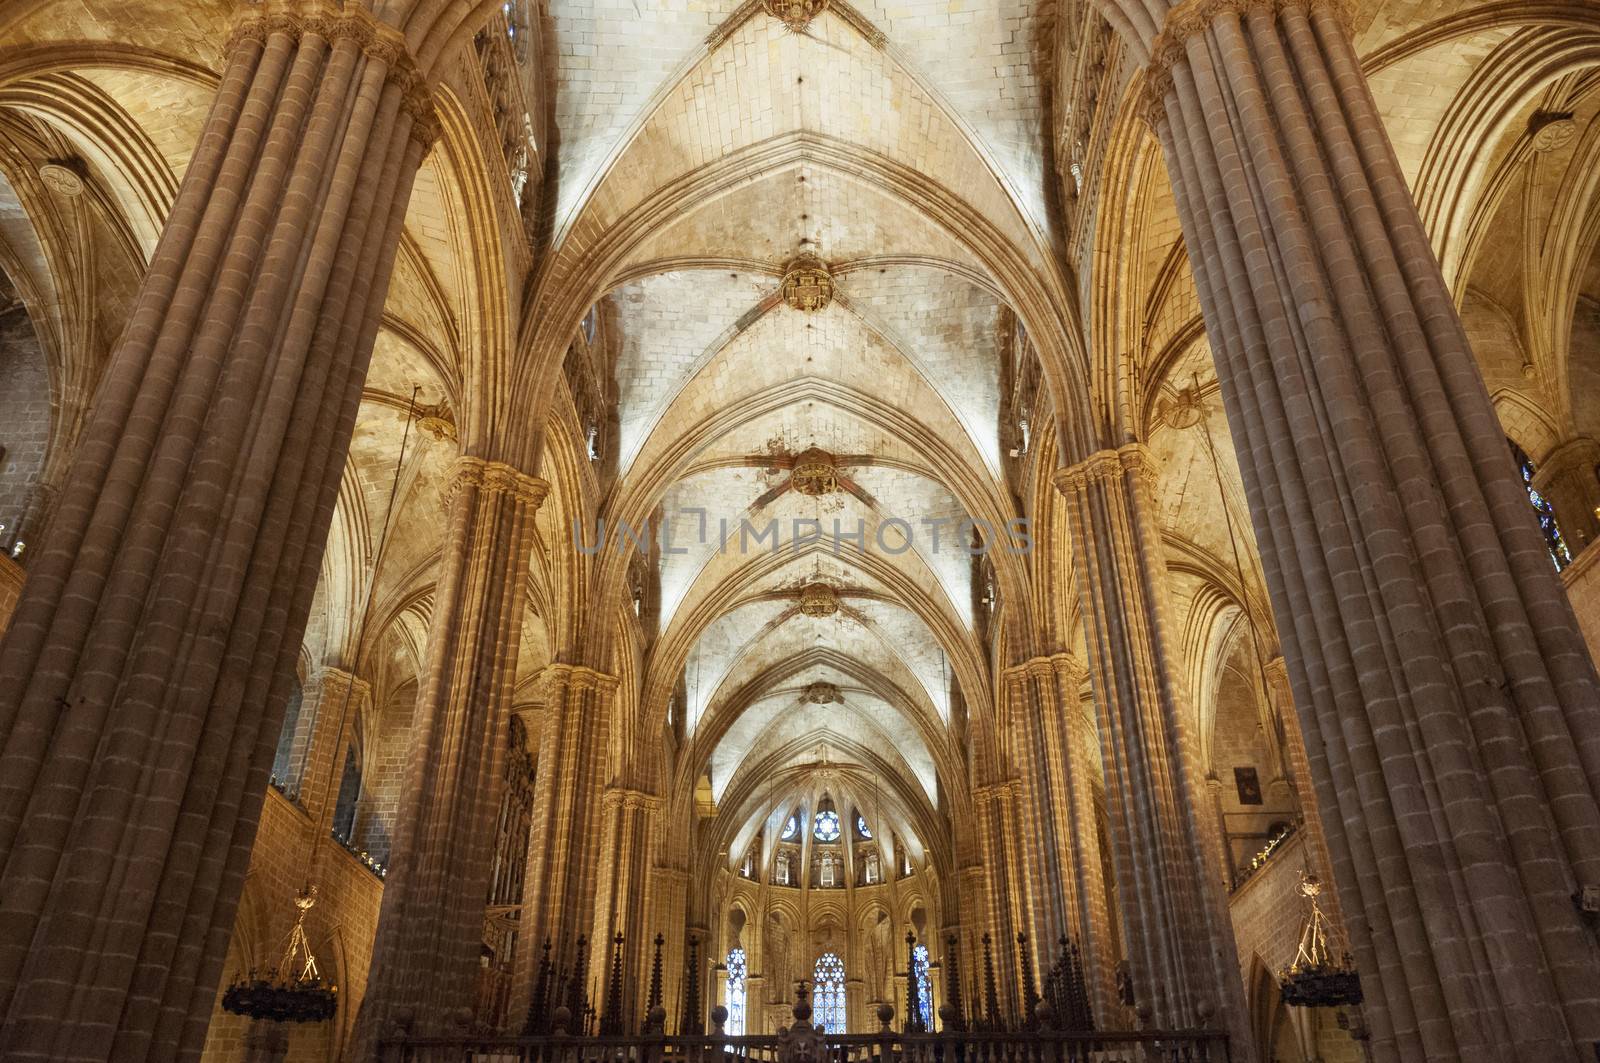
(495, 477)
(1105, 466)
(629, 800)
(555, 680)
(995, 791)
(378, 41)
(1192, 17)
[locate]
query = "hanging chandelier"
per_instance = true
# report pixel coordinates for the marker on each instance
(1315, 979)
(294, 990)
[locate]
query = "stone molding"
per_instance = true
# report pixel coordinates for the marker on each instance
(995, 791)
(378, 41)
(337, 679)
(1105, 466)
(622, 797)
(1056, 664)
(1193, 17)
(496, 477)
(557, 677)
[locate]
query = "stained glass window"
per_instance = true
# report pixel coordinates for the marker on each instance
(861, 827)
(791, 828)
(827, 993)
(1542, 509)
(919, 964)
(827, 826)
(736, 972)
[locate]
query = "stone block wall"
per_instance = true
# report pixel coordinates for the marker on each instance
(24, 415)
(341, 928)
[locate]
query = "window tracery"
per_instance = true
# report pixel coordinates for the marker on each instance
(827, 993)
(736, 992)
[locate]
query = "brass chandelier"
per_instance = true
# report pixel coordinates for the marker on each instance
(1315, 979)
(294, 990)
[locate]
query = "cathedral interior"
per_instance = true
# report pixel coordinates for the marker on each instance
(540, 519)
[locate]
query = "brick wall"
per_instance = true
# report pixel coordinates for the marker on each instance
(341, 928)
(1267, 913)
(1582, 578)
(24, 414)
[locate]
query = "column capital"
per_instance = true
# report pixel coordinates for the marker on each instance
(496, 477)
(555, 678)
(1105, 466)
(378, 41)
(995, 791)
(629, 799)
(1048, 666)
(1192, 17)
(339, 681)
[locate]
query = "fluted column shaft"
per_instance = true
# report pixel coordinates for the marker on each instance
(1165, 845)
(563, 864)
(143, 679)
(426, 959)
(1450, 709)
(669, 890)
(339, 698)
(1058, 796)
(999, 839)
(630, 831)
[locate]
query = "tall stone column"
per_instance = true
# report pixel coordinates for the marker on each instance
(1166, 848)
(669, 892)
(1000, 836)
(1567, 478)
(1056, 776)
(564, 860)
(630, 832)
(1450, 709)
(334, 706)
(143, 678)
(426, 959)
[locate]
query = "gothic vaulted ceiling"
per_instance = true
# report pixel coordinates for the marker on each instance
(812, 241)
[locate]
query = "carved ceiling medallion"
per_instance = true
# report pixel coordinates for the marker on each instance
(822, 694)
(813, 473)
(61, 178)
(1551, 131)
(819, 600)
(1185, 411)
(796, 14)
(807, 285)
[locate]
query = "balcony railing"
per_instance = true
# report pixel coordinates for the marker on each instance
(1190, 1046)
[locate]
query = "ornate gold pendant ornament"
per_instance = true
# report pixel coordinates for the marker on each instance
(807, 285)
(813, 473)
(819, 600)
(820, 693)
(796, 14)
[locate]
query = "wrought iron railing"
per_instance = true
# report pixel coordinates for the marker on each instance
(1189, 1046)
